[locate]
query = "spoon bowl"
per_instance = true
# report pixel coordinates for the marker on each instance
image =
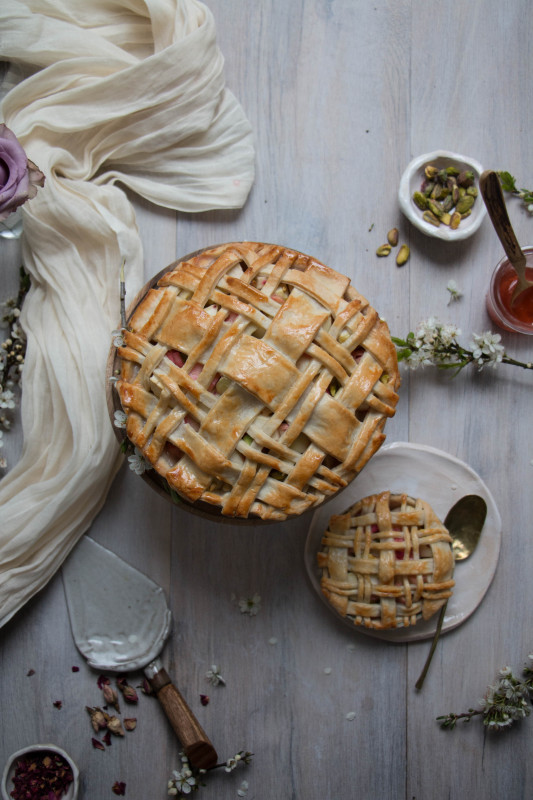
(464, 523)
(491, 190)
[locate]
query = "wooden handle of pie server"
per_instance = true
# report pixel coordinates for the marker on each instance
(196, 745)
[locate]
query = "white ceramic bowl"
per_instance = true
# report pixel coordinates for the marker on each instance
(9, 769)
(411, 181)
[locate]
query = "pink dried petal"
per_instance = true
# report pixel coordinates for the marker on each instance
(107, 738)
(119, 787)
(102, 681)
(58, 704)
(75, 669)
(204, 699)
(97, 745)
(30, 672)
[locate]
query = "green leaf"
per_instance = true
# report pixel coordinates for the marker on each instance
(507, 181)
(402, 355)
(399, 342)
(452, 365)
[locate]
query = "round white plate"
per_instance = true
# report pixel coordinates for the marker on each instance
(441, 480)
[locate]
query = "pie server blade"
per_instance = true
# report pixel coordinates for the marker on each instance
(120, 622)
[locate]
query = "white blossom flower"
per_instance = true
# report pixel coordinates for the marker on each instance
(505, 672)
(426, 331)
(7, 399)
(244, 788)
(418, 358)
(183, 781)
(138, 463)
(17, 332)
(231, 763)
(250, 605)
(486, 348)
(214, 677)
(447, 333)
(120, 419)
(455, 292)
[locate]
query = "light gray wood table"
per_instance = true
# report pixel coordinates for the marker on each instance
(341, 95)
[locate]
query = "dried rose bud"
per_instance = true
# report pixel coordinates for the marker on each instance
(128, 692)
(97, 745)
(102, 681)
(119, 787)
(110, 696)
(130, 723)
(145, 687)
(114, 725)
(98, 720)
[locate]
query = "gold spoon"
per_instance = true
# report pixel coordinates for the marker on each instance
(464, 523)
(492, 193)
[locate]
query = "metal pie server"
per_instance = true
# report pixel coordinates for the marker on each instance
(120, 622)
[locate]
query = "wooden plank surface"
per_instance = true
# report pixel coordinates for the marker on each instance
(341, 95)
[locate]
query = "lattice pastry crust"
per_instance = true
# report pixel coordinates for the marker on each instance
(256, 380)
(387, 562)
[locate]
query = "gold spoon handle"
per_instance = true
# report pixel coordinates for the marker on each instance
(422, 678)
(491, 189)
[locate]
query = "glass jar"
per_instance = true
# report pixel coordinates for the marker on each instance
(517, 317)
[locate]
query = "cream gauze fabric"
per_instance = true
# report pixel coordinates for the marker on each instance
(128, 91)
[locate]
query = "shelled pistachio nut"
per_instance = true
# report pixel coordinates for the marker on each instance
(403, 255)
(392, 237)
(383, 250)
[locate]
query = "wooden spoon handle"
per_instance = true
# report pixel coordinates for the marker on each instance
(195, 743)
(492, 193)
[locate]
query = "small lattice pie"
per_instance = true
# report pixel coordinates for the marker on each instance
(256, 380)
(387, 562)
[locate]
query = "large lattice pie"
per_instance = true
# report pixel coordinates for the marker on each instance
(387, 562)
(256, 380)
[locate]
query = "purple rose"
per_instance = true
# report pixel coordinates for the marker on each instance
(19, 177)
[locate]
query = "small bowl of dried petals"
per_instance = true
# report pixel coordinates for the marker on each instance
(439, 194)
(40, 771)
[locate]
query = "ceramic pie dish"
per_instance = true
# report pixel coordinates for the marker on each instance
(422, 472)
(256, 381)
